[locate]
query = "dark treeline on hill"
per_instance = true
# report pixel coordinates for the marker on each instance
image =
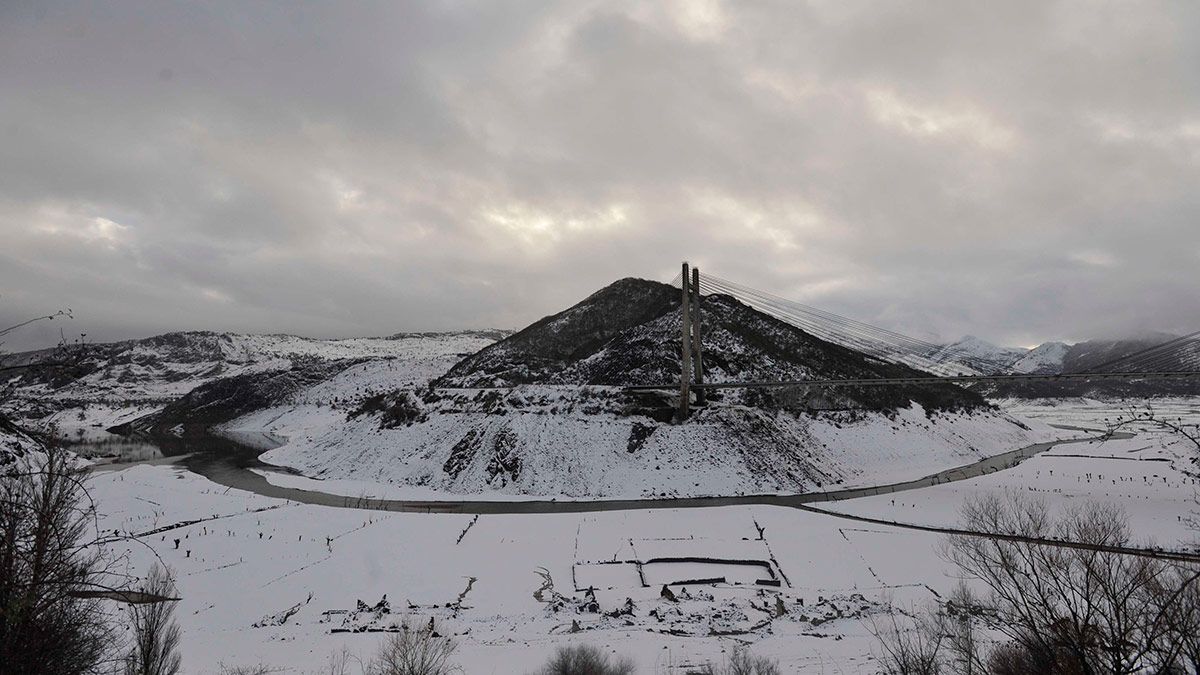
(1097, 388)
(1106, 355)
(227, 398)
(628, 333)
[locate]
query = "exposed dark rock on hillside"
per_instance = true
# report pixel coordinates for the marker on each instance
(628, 333)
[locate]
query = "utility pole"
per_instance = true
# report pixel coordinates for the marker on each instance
(685, 374)
(697, 332)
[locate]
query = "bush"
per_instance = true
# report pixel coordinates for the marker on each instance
(246, 670)
(585, 660)
(742, 662)
(414, 651)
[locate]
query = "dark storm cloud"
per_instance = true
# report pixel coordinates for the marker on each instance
(1022, 171)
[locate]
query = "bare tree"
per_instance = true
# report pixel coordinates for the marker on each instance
(51, 557)
(156, 636)
(958, 624)
(1147, 417)
(1186, 626)
(585, 660)
(414, 651)
(1075, 609)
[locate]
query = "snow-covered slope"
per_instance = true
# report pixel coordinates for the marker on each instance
(1044, 359)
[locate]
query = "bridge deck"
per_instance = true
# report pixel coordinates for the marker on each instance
(964, 379)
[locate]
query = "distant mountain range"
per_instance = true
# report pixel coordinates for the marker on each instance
(1058, 357)
(972, 355)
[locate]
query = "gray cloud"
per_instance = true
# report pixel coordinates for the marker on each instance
(1021, 171)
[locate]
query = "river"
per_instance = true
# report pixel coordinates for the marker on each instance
(228, 459)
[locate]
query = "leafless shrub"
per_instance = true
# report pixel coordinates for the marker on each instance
(585, 660)
(414, 651)
(156, 636)
(340, 663)
(958, 623)
(1012, 658)
(246, 670)
(742, 662)
(909, 646)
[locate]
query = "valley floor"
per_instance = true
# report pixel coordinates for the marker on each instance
(274, 582)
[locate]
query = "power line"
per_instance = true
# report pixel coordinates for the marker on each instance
(1169, 347)
(892, 346)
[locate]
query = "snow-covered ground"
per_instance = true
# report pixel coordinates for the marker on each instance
(512, 587)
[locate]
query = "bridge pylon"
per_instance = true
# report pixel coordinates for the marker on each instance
(697, 332)
(685, 351)
(691, 351)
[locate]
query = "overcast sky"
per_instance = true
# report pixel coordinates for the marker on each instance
(1021, 171)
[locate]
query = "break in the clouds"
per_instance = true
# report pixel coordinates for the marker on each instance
(1018, 170)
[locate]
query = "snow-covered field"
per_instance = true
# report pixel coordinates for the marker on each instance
(1141, 474)
(512, 587)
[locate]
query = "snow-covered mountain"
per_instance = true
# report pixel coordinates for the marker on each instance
(543, 413)
(628, 334)
(1043, 359)
(972, 355)
(978, 356)
(113, 382)
(1096, 355)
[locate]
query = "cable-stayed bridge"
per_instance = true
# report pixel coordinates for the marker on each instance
(1155, 362)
